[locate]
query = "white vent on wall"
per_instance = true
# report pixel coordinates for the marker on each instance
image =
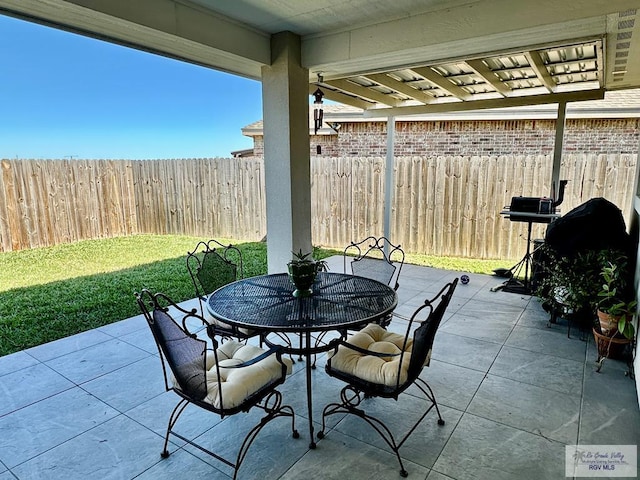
(626, 22)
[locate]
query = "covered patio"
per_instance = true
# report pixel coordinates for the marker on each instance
(513, 391)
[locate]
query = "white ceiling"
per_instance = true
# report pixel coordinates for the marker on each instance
(388, 57)
(306, 17)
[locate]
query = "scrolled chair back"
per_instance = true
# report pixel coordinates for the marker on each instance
(376, 258)
(424, 335)
(185, 354)
(213, 265)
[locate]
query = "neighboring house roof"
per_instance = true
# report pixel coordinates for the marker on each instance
(246, 152)
(616, 104)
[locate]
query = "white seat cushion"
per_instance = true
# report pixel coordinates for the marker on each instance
(380, 370)
(236, 384)
(226, 326)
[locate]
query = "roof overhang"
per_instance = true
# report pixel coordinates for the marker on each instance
(387, 58)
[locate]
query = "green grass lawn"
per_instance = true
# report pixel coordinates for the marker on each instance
(50, 293)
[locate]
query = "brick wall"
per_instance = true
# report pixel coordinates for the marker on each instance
(478, 137)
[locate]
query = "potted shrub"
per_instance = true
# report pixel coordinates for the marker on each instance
(587, 283)
(569, 285)
(302, 272)
(593, 286)
(616, 307)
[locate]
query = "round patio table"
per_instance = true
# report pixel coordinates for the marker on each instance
(339, 302)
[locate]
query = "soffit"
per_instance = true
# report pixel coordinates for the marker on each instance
(388, 58)
(574, 69)
(565, 71)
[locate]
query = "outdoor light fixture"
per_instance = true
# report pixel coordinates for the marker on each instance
(317, 108)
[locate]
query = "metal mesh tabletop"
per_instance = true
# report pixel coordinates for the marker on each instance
(266, 302)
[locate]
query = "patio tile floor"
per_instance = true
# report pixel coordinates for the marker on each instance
(513, 391)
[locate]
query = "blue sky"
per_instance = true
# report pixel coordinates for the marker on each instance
(68, 96)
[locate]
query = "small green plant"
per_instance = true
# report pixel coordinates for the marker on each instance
(614, 300)
(302, 271)
(300, 257)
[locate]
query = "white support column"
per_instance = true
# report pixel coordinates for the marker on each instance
(285, 104)
(388, 177)
(557, 149)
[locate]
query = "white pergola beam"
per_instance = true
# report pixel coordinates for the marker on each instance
(557, 149)
(340, 97)
(538, 66)
(489, 76)
(367, 93)
(464, 30)
(400, 87)
(597, 94)
(443, 83)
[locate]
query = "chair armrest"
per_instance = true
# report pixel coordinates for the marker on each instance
(195, 316)
(273, 350)
(368, 352)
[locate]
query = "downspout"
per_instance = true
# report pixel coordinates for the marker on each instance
(557, 150)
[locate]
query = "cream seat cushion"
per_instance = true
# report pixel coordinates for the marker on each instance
(379, 370)
(236, 384)
(226, 326)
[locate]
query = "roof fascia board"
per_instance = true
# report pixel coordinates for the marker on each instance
(501, 114)
(172, 29)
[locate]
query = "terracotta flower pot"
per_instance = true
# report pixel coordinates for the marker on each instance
(610, 346)
(608, 323)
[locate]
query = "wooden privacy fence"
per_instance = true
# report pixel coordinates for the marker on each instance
(450, 205)
(442, 205)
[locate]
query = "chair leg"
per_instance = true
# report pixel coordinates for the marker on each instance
(424, 386)
(173, 418)
(351, 398)
(272, 406)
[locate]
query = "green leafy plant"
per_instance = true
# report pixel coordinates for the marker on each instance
(614, 296)
(589, 281)
(300, 257)
(570, 284)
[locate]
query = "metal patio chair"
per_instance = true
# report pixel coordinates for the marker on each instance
(375, 258)
(376, 363)
(212, 265)
(378, 259)
(227, 379)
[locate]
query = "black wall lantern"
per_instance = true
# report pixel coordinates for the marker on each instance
(318, 114)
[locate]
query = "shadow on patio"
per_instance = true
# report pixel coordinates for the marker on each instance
(512, 389)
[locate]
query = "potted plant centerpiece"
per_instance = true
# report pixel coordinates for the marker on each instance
(302, 272)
